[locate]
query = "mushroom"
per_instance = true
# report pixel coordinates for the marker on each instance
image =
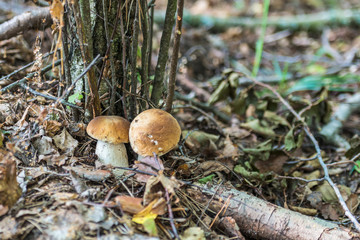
(154, 131)
(111, 132)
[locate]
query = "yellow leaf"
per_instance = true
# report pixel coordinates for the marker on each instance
(145, 214)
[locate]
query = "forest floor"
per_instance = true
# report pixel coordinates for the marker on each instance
(237, 134)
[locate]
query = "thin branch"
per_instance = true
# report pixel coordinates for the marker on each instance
(171, 215)
(123, 62)
(174, 57)
(145, 52)
(158, 85)
(134, 47)
(24, 67)
(49, 96)
(30, 75)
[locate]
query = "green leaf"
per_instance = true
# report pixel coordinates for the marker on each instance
(206, 179)
(221, 92)
(356, 166)
(290, 140)
(74, 97)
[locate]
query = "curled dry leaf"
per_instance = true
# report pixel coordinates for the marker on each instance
(51, 127)
(9, 188)
(147, 164)
(156, 189)
(65, 142)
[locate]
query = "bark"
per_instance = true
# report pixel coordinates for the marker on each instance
(263, 220)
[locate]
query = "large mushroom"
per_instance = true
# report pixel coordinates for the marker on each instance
(111, 132)
(154, 131)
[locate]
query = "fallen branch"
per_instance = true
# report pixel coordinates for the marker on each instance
(26, 21)
(331, 129)
(303, 21)
(259, 219)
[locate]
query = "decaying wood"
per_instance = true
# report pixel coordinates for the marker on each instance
(259, 219)
(36, 19)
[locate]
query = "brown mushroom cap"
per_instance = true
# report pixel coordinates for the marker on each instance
(111, 129)
(154, 131)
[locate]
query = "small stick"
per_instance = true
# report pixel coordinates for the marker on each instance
(30, 75)
(49, 96)
(70, 88)
(24, 67)
(171, 216)
(174, 57)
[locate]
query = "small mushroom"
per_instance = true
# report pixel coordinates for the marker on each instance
(154, 131)
(111, 132)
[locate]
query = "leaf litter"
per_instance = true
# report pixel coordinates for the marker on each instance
(262, 143)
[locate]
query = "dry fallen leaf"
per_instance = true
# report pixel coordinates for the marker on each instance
(65, 142)
(9, 187)
(149, 165)
(129, 204)
(155, 187)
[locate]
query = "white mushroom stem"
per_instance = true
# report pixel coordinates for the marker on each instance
(113, 154)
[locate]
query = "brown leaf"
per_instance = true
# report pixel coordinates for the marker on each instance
(209, 167)
(51, 127)
(329, 212)
(155, 187)
(9, 188)
(147, 164)
(274, 163)
(129, 204)
(230, 149)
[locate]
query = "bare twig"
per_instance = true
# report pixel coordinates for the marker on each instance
(24, 67)
(171, 216)
(123, 62)
(71, 87)
(145, 52)
(174, 57)
(49, 96)
(29, 76)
